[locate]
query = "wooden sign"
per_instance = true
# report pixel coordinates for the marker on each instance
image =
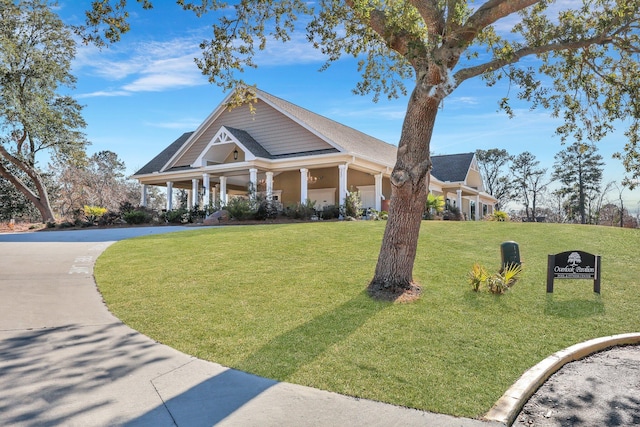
(573, 265)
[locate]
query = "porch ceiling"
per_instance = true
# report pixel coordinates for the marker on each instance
(466, 191)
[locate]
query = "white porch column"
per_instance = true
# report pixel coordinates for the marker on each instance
(478, 208)
(269, 185)
(143, 195)
(206, 184)
(253, 182)
(342, 190)
(378, 192)
(223, 190)
(459, 200)
(169, 195)
(194, 191)
(304, 195)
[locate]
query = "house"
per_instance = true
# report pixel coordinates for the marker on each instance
(291, 155)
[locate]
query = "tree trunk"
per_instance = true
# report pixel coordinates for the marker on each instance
(393, 279)
(40, 200)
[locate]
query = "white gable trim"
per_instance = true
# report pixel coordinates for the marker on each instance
(469, 167)
(222, 137)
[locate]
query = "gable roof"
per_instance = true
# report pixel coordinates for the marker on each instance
(452, 167)
(165, 155)
(249, 143)
(345, 137)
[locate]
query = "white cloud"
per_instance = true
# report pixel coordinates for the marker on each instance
(180, 124)
(465, 100)
(103, 93)
(148, 67)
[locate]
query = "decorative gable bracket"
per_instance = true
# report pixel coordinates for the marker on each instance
(220, 147)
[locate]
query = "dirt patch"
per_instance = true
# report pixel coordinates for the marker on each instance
(600, 390)
(411, 294)
(7, 227)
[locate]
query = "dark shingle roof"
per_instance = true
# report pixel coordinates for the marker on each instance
(307, 153)
(249, 143)
(161, 159)
(452, 167)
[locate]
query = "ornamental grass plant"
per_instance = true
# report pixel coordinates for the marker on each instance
(288, 302)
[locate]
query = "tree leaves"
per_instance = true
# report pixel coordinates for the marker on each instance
(36, 50)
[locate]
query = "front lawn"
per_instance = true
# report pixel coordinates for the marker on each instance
(288, 302)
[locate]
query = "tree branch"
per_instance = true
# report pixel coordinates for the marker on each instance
(18, 163)
(487, 14)
(432, 15)
(18, 183)
(402, 41)
(467, 73)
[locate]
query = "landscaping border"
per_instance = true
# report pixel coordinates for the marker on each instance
(510, 404)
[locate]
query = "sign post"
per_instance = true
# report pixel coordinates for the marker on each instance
(573, 265)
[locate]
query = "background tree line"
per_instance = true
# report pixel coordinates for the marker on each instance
(96, 180)
(572, 191)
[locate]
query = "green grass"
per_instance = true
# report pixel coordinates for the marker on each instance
(288, 302)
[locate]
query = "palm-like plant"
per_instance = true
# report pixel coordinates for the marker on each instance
(434, 204)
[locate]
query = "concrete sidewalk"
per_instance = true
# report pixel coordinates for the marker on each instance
(65, 360)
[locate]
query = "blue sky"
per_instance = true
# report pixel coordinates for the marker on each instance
(145, 91)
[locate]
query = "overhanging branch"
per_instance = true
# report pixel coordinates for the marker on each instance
(467, 73)
(486, 15)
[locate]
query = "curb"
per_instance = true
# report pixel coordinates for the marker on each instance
(510, 404)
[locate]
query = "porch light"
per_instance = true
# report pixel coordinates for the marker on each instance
(235, 154)
(311, 179)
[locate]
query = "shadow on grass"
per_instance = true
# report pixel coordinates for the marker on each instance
(287, 353)
(573, 308)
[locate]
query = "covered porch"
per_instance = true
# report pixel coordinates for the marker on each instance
(472, 203)
(324, 185)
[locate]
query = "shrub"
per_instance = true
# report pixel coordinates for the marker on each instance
(110, 218)
(434, 205)
(177, 216)
(137, 217)
(267, 209)
(301, 210)
(452, 213)
(375, 215)
(196, 214)
(500, 216)
(240, 208)
(353, 205)
(478, 276)
(94, 212)
(497, 283)
(125, 207)
(330, 212)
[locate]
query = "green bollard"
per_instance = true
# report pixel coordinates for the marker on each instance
(510, 254)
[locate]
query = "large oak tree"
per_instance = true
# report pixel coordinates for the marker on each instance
(585, 71)
(36, 50)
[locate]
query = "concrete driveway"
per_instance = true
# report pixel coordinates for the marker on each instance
(65, 360)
